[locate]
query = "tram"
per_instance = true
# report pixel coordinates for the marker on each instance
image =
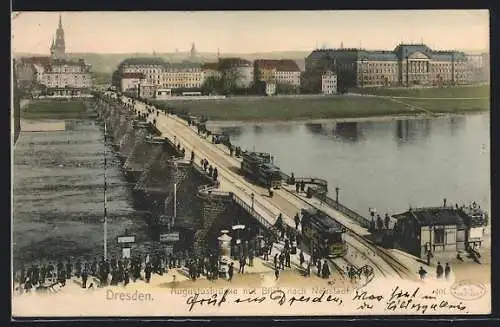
(323, 233)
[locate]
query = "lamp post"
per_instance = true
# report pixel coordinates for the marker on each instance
(337, 189)
(175, 198)
(105, 201)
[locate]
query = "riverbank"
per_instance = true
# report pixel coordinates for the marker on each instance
(399, 103)
(386, 118)
(54, 109)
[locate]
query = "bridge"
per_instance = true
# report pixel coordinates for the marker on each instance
(255, 200)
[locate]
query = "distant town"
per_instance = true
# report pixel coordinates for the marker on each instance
(326, 71)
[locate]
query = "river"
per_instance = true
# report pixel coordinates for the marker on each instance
(388, 165)
(58, 176)
(58, 188)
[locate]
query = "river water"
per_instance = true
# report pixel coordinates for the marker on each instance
(58, 187)
(387, 165)
(58, 177)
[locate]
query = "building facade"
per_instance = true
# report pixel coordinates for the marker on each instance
(58, 74)
(329, 83)
(279, 72)
(406, 65)
(439, 231)
(240, 69)
(185, 75)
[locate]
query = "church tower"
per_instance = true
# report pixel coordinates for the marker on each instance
(59, 47)
(192, 53)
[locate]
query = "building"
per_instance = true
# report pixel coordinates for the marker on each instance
(160, 74)
(283, 73)
(478, 65)
(328, 83)
(185, 75)
(66, 77)
(239, 69)
(210, 69)
(130, 82)
(440, 231)
(152, 68)
(55, 75)
(406, 65)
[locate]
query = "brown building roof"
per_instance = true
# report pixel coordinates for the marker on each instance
(233, 62)
(284, 65)
(210, 66)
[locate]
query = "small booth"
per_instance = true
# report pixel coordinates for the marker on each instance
(125, 242)
(224, 252)
(167, 241)
(237, 251)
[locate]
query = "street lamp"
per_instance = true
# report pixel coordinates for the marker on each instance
(337, 189)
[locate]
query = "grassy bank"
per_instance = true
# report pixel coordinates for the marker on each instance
(275, 108)
(288, 108)
(54, 109)
(479, 91)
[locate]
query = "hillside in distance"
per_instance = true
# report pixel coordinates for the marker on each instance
(107, 62)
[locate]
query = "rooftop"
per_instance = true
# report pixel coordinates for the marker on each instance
(143, 61)
(279, 65)
(442, 216)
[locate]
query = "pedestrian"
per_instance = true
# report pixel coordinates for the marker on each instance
(447, 271)
(242, 265)
(84, 275)
(250, 258)
(276, 260)
(422, 272)
(282, 260)
(319, 267)
(326, 271)
(308, 271)
(147, 272)
(439, 270)
(276, 273)
(230, 271)
(287, 259)
(301, 258)
(297, 221)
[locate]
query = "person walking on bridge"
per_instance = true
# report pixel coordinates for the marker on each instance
(301, 258)
(297, 221)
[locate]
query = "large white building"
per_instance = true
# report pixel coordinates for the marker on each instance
(57, 74)
(162, 75)
(328, 82)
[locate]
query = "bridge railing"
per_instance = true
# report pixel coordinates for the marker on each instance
(363, 221)
(253, 213)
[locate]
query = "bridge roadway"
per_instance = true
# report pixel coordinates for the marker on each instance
(284, 201)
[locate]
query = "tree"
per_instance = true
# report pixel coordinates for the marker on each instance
(212, 85)
(284, 88)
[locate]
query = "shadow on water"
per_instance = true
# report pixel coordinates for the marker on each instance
(412, 130)
(348, 131)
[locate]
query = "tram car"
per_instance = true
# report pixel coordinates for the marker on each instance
(324, 233)
(258, 167)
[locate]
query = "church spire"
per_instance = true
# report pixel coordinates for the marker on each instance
(60, 21)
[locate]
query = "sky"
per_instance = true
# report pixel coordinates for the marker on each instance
(250, 31)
